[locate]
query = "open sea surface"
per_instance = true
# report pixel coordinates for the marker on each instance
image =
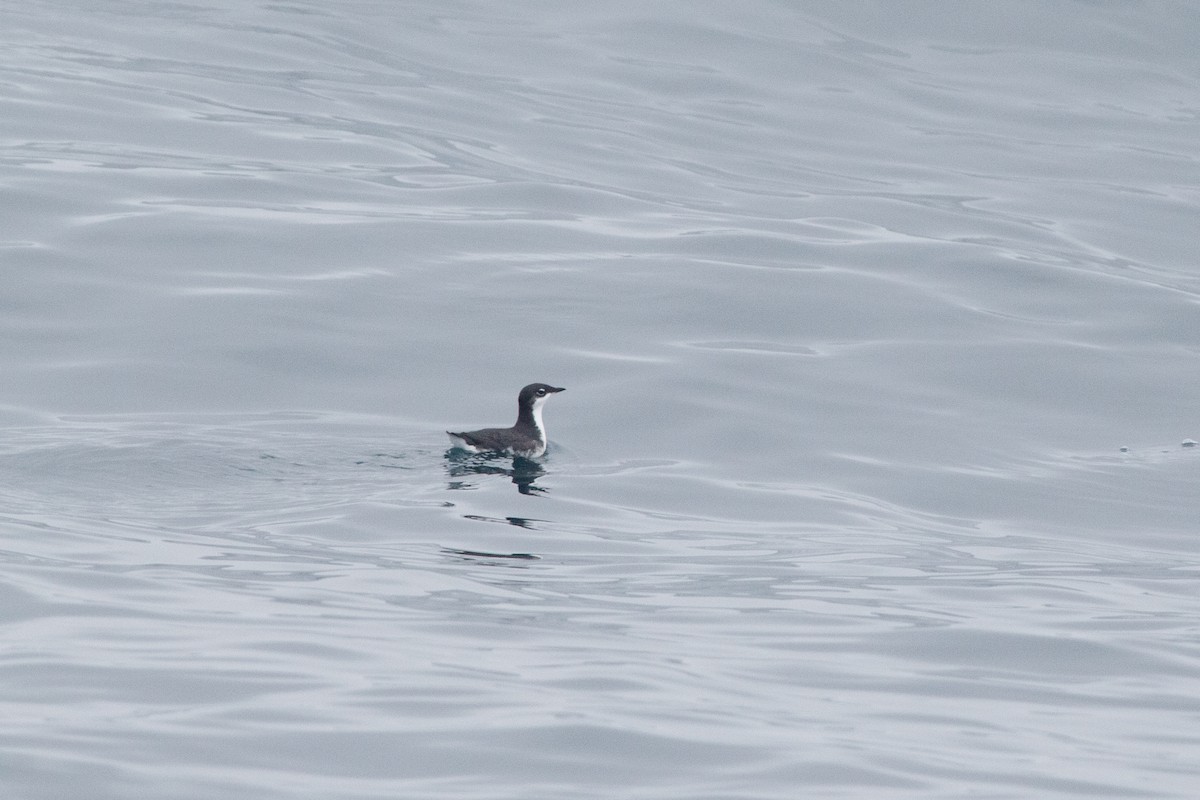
(874, 476)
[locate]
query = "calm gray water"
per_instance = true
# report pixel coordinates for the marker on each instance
(880, 325)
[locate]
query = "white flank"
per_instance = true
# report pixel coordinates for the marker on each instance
(458, 441)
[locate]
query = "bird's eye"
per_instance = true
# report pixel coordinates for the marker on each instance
(541, 392)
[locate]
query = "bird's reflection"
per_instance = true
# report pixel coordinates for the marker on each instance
(523, 471)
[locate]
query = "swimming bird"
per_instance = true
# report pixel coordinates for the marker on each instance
(527, 438)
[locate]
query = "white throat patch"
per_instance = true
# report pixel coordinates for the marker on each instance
(538, 402)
